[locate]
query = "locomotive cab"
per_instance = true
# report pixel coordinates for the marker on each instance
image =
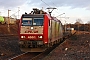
(38, 31)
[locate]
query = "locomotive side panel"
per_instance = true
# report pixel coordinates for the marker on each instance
(49, 32)
(57, 30)
(53, 30)
(60, 31)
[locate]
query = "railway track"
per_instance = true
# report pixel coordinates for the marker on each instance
(25, 56)
(6, 35)
(45, 53)
(31, 56)
(37, 56)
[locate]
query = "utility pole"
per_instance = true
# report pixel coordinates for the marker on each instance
(18, 11)
(65, 26)
(0, 13)
(8, 20)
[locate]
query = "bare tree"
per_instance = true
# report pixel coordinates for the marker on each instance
(88, 25)
(88, 22)
(79, 21)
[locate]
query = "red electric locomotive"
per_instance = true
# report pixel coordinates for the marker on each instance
(38, 31)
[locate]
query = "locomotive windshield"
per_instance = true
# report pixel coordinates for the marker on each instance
(26, 21)
(32, 21)
(38, 21)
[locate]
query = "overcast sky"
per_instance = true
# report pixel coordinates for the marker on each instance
(74, 9)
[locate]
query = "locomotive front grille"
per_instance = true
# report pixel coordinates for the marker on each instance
(31, 44)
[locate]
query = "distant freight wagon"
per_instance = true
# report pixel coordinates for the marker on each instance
(4, 20)
(1, 19)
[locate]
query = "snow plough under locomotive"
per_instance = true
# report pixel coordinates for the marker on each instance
(38, 30)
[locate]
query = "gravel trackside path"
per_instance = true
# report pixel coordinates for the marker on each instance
(75, 48)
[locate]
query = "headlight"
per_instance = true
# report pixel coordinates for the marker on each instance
(31, 28)
(22, 36)
(40, 37)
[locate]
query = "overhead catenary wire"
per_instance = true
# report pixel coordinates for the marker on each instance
(54, 4)
(49, 5)
(45, 3)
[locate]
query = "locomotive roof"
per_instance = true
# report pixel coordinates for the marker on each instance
(32, 15)
(39, 15)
